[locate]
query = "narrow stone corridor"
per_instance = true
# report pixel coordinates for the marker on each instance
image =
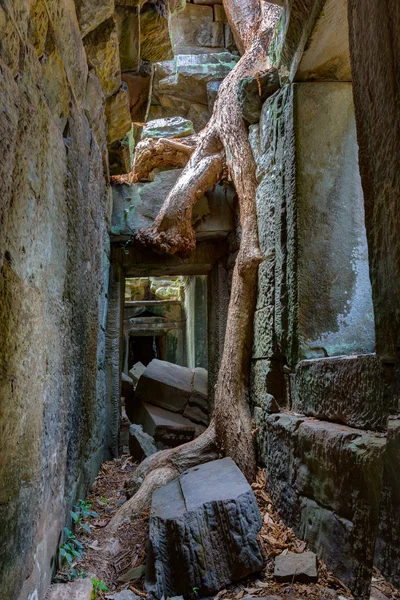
(199, 283)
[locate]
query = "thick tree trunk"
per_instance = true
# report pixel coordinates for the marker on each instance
(222, 150)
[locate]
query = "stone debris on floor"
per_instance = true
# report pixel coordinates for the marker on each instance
(296, 567)
(81, 589)
(169, 401)
(123, 572)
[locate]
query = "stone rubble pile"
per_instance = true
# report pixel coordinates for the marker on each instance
(167, 405)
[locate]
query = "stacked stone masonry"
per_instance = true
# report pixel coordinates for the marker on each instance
(321, 397)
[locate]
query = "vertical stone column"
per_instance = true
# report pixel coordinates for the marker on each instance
(115, 319)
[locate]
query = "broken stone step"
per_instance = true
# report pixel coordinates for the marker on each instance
(166, 385)
(141, 444)
(293, 567)
(203, 532)
(136, 372)
(80, 589)
(163, 425)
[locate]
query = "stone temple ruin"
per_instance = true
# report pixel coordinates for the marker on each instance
(110, 348)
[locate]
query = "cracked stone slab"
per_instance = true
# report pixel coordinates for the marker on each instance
(203, 531)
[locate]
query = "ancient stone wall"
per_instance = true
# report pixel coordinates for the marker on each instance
(321, 396)
(54, 260)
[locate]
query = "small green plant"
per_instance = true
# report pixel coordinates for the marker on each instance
(195, 591)
(69, 551)
(98, 586)
(82, 511)
(103, 500)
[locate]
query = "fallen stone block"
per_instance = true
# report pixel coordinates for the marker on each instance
(172, 127)
(163, 425)
(136, 372)
(195, 414)
(141, 444)
(166, 385)
(80, 589)
(126, 385)
(293, 567)
(203, 532)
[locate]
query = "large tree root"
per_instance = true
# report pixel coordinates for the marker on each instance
(161, 468)
(222, 149)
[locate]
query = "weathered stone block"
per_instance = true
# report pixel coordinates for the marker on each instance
(293, 567)
(141, 444)
(325, 479)
(203, 531)
(172, 127)
(127, 20)
(118, 114)
(335, 314)
(155, 41)
(193, 72)
(101, 46)
(136, 372)
(347, 389)
(91, 13)
(76, 590)
(163, 425)
(165, 384)
(252, 92)
(126, 386)
(387, 550)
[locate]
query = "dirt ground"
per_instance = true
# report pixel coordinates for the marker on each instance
(126, 569)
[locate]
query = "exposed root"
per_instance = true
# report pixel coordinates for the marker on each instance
(161, 468)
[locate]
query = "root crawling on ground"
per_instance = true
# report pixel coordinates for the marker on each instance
(222, 149)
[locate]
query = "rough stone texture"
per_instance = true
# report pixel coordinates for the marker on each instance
(266, 377)
(76, 590)
(118, 115)
(127, 21)
(163, 425)
(326, 479)
(172, 127)
(53, 285)
(252, 92)
(335, 313)
(101, 47)
(314, 295)
(165, 384)
(137, 205)
(155, 41)
(293, 567)
(194, 29)
(378, 131)
(126, 595)
(327, 55)
(91, 13)
(193, 72)
(347, 389)
(195, 414)
(387, 550)
(126, 385)
(136, 372)
(203, 531)
(141, 444)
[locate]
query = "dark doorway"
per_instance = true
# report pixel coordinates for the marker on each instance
(144, 348)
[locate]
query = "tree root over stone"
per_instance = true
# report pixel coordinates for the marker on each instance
(222, 150)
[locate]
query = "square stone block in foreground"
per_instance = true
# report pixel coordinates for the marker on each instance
(203, 532)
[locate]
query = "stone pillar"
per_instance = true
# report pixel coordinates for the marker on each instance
(114, 349)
